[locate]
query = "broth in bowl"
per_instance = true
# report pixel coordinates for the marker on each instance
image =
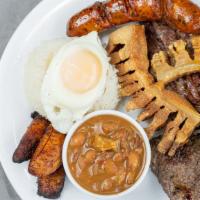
(106, 155)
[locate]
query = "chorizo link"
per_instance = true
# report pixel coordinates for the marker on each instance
(180, 14)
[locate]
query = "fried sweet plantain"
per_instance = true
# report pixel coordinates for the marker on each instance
(51, 186)
(30, 140)
(47, 157)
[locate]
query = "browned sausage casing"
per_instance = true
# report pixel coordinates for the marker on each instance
(180, 14)
(30, 140)
(89, 19)
(48, 155)
(183, 15)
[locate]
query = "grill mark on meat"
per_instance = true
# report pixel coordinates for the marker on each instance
(188, 87)
(192, 88)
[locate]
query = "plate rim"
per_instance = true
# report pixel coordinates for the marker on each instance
(24, 24)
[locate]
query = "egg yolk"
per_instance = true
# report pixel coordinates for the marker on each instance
(81, 71)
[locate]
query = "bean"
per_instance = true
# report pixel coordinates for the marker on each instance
(106, 184)
(90, 156)
(95, 187)
(109, 127)
(139, 150)
(110, 167)
(119, 134)
(94, 169)
(78, 139)
(104, 156)
(74, 155)
(130, 137)
(82, 163)
(125, 164)
(90, 133)
(132, 144)
(124, 144)
(118, 157)
(122, 133)
(130, 178)
(120, 177)
(134, 160)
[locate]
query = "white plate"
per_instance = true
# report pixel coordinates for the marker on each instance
(46, 21)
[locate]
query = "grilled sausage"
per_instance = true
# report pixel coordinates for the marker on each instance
(180, 14)
(92, 18)
(51, 186)
(30, 140)
(47, 157)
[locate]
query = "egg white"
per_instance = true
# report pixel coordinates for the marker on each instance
(62, 106)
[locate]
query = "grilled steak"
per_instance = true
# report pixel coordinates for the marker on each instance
(188, 87)
(159, 37)
(179, 175)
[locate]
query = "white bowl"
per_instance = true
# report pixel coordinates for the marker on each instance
(142, 134)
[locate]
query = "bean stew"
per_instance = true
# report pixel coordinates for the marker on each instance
(106, 154)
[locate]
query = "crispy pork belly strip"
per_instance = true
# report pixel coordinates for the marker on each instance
(47, 157)
(159, 37)
(30, 139)
(128, 51)
(180, 14)
(52, 185)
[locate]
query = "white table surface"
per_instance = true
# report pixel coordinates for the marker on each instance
(12, 13)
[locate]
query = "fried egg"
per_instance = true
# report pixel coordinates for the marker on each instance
(74, 81)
